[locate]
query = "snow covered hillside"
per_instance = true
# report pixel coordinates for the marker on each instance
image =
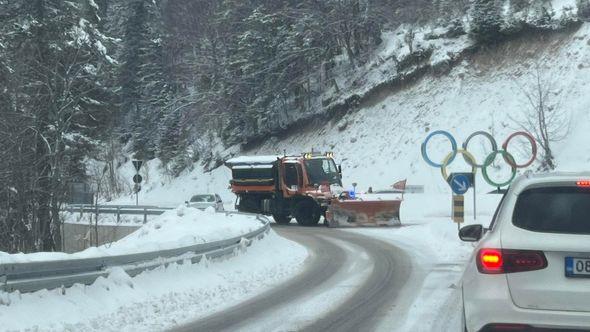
(380, 143)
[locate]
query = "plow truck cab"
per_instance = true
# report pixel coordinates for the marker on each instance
(285, 187)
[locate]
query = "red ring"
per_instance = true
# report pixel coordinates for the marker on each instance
(531, 139)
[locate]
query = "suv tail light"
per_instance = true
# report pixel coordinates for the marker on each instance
(498, 261)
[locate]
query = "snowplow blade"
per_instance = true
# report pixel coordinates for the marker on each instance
(354, 213)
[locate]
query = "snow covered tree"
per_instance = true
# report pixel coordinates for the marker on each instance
(445, 11)
(57, 102)
(486, 21)
(517, 6)
(172, 137)
(543, 14)
(145, 87)
(583, 9)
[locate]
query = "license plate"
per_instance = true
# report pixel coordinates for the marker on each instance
(577, 267)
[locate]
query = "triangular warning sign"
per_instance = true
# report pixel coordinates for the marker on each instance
(137, 164)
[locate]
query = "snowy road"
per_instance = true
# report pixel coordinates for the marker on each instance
(350, 284)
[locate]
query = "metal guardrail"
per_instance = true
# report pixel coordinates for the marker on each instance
(118, 210)
(33, 276)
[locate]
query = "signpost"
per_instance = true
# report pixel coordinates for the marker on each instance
(460, 184)
(458, 210)
(137, 179)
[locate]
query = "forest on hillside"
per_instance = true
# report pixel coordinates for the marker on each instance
(168, 79)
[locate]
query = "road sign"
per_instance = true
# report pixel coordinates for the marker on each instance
(137, 188)
(137, 164)
(461, 182)
(458, 209)
(137, 178)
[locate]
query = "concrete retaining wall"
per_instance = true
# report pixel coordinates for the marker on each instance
(78, 237)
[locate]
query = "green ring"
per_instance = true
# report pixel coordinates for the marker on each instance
(489, 160)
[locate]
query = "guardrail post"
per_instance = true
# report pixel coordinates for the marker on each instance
(96, 225)
(81, 211)
(118, 214)
(145, 215)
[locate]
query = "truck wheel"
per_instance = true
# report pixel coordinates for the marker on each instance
(307, 213)
(281, 219)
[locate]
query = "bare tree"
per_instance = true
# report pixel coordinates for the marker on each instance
(544, 119)
(409, 38)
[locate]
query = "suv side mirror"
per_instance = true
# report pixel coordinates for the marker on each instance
(471, 233)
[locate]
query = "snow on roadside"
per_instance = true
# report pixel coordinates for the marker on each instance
(432, 296)
(173, 229)
(159, 299)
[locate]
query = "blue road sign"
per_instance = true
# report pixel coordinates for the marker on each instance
(460, 182)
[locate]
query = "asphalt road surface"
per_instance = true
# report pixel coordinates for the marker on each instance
(350, 283)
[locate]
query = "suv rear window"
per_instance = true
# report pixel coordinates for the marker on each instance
(554, 210)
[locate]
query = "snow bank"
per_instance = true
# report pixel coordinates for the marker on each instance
(174, 229)
(432, 297)
(424, 206)
(159, 299)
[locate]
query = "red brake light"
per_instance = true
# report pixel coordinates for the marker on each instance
(490, 261)
(583, 183)
(497, 261)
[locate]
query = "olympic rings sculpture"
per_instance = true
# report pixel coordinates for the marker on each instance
(470, 159)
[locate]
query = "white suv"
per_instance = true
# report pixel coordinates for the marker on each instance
(530, 270)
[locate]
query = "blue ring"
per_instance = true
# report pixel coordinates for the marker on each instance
(449, 137)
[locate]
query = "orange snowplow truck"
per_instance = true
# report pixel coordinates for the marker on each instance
(305, 187)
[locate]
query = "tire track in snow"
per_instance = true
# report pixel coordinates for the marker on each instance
(349, 284)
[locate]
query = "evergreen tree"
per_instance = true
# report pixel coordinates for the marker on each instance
(145, 88)
(543, 14)
(583, 9)
(517, 6)
(171, 137)
(57, 93)
(486, 21)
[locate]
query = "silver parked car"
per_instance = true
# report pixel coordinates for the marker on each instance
(203, 201)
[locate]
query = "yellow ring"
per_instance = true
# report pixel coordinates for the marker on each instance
(446, 161)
